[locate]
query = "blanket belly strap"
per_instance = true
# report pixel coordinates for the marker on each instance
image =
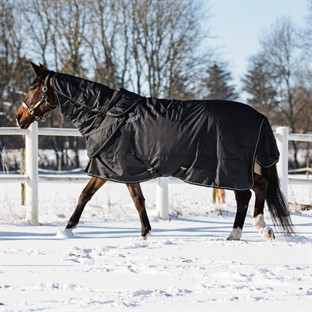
(151, 169)
(184, 167)
(180, 172)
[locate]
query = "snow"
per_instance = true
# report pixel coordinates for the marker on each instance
(185, 265)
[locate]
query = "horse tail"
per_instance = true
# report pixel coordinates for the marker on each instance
(276, 201)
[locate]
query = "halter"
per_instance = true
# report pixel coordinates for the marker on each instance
(44, 99)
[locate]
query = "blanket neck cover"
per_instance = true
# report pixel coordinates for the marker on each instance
(131, 138)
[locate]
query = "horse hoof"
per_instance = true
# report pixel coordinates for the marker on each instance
(146, 236)
(268, 234)
(68, 232)
(63, 234)
(236, 234)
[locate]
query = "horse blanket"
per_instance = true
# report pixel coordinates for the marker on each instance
(131, 138)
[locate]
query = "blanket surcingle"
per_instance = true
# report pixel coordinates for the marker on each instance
(131, 138)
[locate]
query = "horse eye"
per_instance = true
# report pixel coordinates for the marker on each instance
(33, 87)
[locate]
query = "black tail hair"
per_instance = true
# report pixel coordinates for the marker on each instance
(276, 201)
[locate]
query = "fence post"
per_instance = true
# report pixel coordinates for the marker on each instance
(22, 172)
(282, 165)
(31, 186)
(162, 198)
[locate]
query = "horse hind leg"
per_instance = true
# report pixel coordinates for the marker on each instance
(90, 189)
(139, 202)
(260, 189)
(220, 195)
(242, 200)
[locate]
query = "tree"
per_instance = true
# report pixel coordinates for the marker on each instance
(306, 35)
(165, 41)
(258, 83)
(281, 67)
(217, 84)
(13, 74)
(105, 44)
(72, 26)
(57, 31)
(153, 47)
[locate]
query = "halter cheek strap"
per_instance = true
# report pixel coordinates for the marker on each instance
(44, 99)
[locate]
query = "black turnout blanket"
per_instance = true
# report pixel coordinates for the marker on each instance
(131, 138)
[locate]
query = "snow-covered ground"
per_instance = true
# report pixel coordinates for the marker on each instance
(186, 265)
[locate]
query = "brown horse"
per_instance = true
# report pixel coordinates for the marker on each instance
(42, 98)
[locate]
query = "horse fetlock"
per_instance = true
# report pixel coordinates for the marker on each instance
(236, 234)
(258, 223)
(265, 231)
(71, 226)
(146, 235)
(68, 232)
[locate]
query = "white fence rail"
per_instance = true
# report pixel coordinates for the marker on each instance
(31, 178)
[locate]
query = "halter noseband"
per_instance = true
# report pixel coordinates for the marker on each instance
(44, 99)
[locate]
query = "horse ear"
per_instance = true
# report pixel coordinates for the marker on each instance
(43, 67)
(37, 70)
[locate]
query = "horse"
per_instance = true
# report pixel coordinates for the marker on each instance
(101, 115)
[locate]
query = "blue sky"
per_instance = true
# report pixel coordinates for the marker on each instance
(237, 25)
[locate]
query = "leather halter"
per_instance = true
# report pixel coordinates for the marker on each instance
(44, 99)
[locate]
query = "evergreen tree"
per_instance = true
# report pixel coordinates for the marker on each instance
(218, 86)
(258, 84)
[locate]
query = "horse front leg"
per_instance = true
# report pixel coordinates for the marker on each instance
(260, 189)
(139, 202)
(90, 189)
(242, 200)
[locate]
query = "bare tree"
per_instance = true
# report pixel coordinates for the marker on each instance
(38, 16)
(13, 73)
(279, 51)
(72, 26)
(282, 64)
(165, 37)
(148, 46)
(152, 46)
(306, 34)
(57, 30)
(103, 41)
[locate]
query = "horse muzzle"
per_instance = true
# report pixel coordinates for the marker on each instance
(23, 118)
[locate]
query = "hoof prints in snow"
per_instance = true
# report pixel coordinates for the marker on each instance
(156, 273)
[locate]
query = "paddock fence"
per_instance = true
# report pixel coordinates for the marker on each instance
(31, 177)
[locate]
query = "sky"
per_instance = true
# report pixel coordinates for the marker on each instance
(237, 25)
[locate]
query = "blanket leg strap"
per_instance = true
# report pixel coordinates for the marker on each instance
(184, 167)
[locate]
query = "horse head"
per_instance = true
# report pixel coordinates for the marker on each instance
(40, 99)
